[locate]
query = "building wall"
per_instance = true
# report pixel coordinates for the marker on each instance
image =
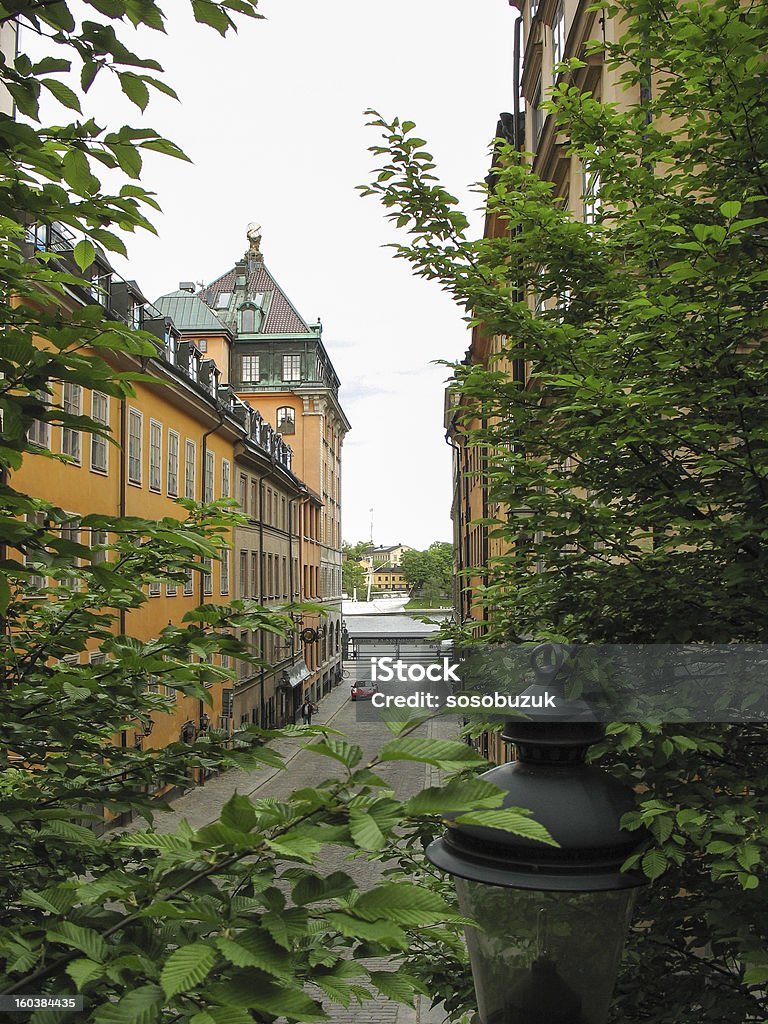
(82, 487)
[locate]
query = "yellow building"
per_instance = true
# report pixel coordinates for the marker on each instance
(389, 577)
(278, 361)
(183, 434)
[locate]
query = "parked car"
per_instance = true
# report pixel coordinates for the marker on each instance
(363, 691)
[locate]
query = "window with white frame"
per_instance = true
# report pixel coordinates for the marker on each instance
(155, 455)
(154, 588)
(72, 404)
(171, 590)
(286, 420)
(224, 571)
(135, 437)
(249, 369)
(173, 464)
(537, 114)
(210, 470)
(207, 577)
(202, 344)
(558, 35)
(189, 584)
(99, 443)
(225, 478)
(97, 658)
(70, 531)
(99, 540)
(30, 561)
(243, 574)
(292, 367)
(189, 469)
(40, 431)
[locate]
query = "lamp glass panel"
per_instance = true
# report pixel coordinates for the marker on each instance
(544, 957)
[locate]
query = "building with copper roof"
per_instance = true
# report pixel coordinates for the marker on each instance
(274, 358)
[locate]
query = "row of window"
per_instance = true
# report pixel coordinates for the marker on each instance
(267, 506)
(275, 577)
(250, 368)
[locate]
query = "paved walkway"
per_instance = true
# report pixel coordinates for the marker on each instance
(202, 805)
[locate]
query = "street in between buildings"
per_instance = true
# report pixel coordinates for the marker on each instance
(203, 804)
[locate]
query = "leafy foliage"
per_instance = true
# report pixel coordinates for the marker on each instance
(630, 469)
(235, 921)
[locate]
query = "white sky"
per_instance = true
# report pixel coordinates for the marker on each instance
(273, 121)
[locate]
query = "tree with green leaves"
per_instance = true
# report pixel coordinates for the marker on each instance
(429, 572)
(233, 922)
(353, 573)
(634, 461)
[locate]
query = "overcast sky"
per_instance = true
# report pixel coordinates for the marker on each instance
(273, 121)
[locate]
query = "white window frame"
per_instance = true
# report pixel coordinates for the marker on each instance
(99, 537)
(591, 197)
(189, 584)
(210, 476)
(171, 589)
(207, 577)
(291, 418)
(72, 531)
(35, 579)
(71, 440)
(558, 36)
(155, 588)
(224, 571)
(250, 359)
(190, 466)
(135, 459)
(155, 465)
(172, 472)
(293, 374)
(99, 443)
(39, 432)
(226, 478)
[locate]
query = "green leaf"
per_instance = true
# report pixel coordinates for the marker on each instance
(654, 864)
(186, 968)
(349, 754)
(77, 173)
(81, 971)
(731, 209)
(208, 13)
(238, 813)
(441, 753)
(139, 1006)
(84, 939)
(134, 88)
(312, 888)
(397, 985)
(456, 796)
(62, 93)
(509, 819)
(403, 903)
(256, 948)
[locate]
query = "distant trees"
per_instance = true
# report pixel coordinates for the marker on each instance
(429, 572)
(353, 574)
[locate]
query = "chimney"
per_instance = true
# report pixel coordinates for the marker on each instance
(187, 286)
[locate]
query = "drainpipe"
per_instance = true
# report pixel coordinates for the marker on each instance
(518, 142)
(460, 512)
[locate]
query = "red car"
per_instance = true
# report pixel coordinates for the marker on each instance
(363, 691)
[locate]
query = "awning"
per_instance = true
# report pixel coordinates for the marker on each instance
(295, 675)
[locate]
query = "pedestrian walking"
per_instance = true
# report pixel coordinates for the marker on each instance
(307, 710)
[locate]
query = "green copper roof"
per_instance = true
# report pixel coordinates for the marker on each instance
(189, 312)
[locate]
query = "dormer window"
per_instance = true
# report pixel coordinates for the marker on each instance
(250, 319)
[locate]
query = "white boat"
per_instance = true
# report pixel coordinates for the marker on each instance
(385, 604)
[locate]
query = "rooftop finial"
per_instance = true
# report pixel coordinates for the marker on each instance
(253, 234)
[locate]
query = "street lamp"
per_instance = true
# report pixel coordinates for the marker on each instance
(552, 919)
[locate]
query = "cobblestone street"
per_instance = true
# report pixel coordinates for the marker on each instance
(203, 804)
